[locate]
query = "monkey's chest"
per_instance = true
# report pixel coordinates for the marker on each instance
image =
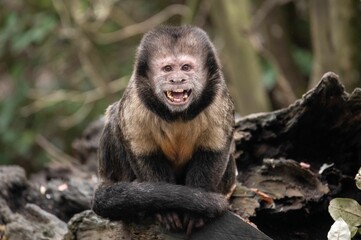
(177, 144)
(177, 150)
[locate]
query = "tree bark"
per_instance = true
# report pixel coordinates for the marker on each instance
(346, 29)
(336, 38)
(242, 66)
(323, 45)
(275, 45)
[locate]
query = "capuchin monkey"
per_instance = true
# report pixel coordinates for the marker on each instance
(165, 147)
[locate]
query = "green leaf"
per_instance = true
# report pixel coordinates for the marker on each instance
(347, 209)
(358, 179)
(353, 230)
(339, 231)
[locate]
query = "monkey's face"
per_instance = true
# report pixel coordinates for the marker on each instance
(177, 80)
(177, 74)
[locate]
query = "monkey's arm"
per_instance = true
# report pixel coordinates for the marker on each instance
(119, 197)
(211, 167)
(212, 171)
(124, 200)
(152, 168)
(207, 168)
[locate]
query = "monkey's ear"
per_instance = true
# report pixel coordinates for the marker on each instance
(212, 63)
(141, 62)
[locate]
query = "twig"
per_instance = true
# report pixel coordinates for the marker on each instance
(79, 39)
(121, 17)
(73, 96)
(77, 117)
(261, 14)
(91, 71)
(60, 8)
(101, 11)
(263, 11)
(142, 27)
(54, 152)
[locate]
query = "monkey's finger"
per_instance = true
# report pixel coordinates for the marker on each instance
(199, 223)
(163, 221)
(167, 225)
(190, 227)
(159, 218)
(177, 220)
(170, 220)
(186, 219)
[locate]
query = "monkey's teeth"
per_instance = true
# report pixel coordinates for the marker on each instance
(178, 90)
(169, 95)
(177, 95)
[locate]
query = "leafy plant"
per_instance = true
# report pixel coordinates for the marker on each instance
(347, 215)
(339, 230)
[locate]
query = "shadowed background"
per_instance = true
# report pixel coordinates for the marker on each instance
(62, 62)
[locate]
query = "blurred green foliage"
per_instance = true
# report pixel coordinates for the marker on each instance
(21, 36)
(36, 61)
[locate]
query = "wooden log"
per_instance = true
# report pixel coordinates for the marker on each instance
(300, 157)
(87, 225)
(324, 126)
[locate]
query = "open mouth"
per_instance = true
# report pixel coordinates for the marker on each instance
(178, 96)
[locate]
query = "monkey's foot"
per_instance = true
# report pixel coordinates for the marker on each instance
(170, 220)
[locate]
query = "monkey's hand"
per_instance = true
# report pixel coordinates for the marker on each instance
(170, 220)
(190, 221)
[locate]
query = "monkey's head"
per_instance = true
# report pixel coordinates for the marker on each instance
(177, 72)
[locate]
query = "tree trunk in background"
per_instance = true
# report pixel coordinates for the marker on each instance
(323, 46)
(276, 46)
(336, 37)
(193, 10)
(346, 29)
(231, 17)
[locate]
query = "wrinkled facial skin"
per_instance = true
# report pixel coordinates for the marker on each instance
(177, 80)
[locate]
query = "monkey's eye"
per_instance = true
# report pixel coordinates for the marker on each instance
(186, 67)
(167, 68)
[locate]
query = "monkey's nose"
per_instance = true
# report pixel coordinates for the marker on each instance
(181, 80)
